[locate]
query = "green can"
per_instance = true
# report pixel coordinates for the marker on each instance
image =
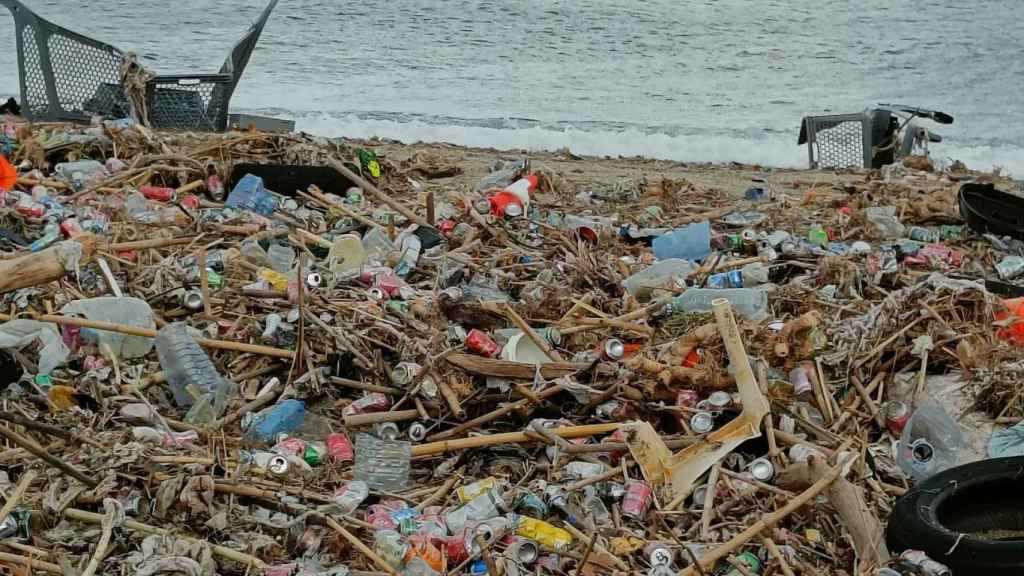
(313, 455)
(750, 561)
(735, 241)
(530, 504)
(215, 280)
(23, 516)
(44, 382)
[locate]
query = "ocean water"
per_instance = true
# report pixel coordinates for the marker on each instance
(690, 80)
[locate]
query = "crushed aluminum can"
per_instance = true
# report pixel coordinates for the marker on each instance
(687, 398)
(699, 495)
(278, 465)
(612, 349)
(314, 280)
(523, 550)
(133, 503)
(762, 470)
(376, 294)
(417, 432)
(9, 526)
(658, 554)
(480, 343)
(923, 564)
(405, 372)
(637, 499)
(896, 416)
(372, 402)
(702, 422)
(719, 400)
(192, 300)
(339, 448)
(386, 430)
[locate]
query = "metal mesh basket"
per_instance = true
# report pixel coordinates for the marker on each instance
(838, 141)
(69, 77)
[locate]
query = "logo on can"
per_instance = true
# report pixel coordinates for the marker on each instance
(637, 499)
(702, 422)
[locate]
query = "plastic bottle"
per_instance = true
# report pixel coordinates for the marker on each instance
(283, 417)
(189, 371)
(751, 302)
(692, 242)
(376, 243)
(84, 169)
(346, 254)
(657, 275)
(250, 194)
(410, 247)
(930, 442)
(281, 258)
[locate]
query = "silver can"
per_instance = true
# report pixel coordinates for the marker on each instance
(375, 294)
(524, 550)
(720, 400)
(659, 555)
(417, 432)
(386, 430)
(9, 526)
(613, 349)
(279, 466)
(762, 470)
(702, 422)
(192, 300)
(314, 280)
(405, 372)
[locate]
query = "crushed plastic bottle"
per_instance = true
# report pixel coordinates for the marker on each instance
(930, 442)
(193, 379)
(281, 258)
(382, 464)
(658, 275)
(283, 417)
(692, 242)
(750, 302)
(250, 194)
(882, 222)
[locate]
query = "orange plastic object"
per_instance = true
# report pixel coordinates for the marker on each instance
(8, 174)
(1014, 332)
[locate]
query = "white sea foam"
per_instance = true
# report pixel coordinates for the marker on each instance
(774, 150)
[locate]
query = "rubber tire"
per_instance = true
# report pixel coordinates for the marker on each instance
(969, 498)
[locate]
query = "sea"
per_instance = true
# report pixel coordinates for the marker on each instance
(686, 80)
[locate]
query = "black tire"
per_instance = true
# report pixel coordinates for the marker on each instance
(966, 504)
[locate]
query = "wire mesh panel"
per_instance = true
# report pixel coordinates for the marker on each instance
(837, 141)
(189, 102)
(34, 98)
(79, 69)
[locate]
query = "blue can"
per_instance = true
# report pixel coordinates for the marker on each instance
(735, 279)
(478, 568)
(718, 281)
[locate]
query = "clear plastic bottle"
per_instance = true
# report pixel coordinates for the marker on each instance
(751, 302)
(189, 371)
(411, 247)
(657, 275)
(281, 258)
(930, 442)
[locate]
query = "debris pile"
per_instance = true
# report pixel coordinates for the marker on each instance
(226, 354)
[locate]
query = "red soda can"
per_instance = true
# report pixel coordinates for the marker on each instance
(372, 402)
(339, 448)
(71, 228)
(455, 548)
(388, 282)
(637, 500)
(693, 358)
(896, 415)
(446, 226)
(30, 209)
(687, 398)
(191, 202)
(479, 342)
(159, 193)
(291, 445)
(281, 569)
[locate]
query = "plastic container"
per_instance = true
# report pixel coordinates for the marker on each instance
(882, 222)
(281, 258)
(642, 284)
(250, 194)
(80, 171)
(692, 242)
(190, 374)
(930, 442)
(750, 302)
(283, 417)
(376, 243)
(346, 254)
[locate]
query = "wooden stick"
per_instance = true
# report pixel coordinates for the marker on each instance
(151, 243)
(485, 552)
(709, 501)
(364, 385)
(440, 494)
(376, 192)
(537, 339)
(509, 369)
(508, 438)
(777, 554)
(48, 429)
(707, 560)
(19, 491)
(31, 563)
(50, 459)
(601, 549)
(315, 192)
(150, 333)
(204, 283)
(101, 546)
(369, 553)
(495, 414)
(222, 551)
(357, 420)
(44, 266)
(449, 395)
(865, 396)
